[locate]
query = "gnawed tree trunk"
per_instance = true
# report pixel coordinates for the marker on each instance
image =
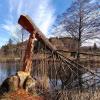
(27, 61)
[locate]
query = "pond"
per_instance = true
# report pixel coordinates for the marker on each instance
(8, 69)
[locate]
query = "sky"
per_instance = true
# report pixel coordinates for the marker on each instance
(42, 12)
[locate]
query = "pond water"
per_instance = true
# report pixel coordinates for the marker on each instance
(7, 69)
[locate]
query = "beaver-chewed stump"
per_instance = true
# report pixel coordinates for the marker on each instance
(22, 80)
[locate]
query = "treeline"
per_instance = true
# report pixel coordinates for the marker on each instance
(17, 50)
(11, 50)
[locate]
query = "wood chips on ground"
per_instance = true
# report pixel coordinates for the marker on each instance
(20, 95)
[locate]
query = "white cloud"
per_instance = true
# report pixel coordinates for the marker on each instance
(93, 1)
(91, 42)
(41, 11)
(3, 41)
(11, 28)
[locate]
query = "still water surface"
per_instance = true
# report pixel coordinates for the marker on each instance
(7, 69)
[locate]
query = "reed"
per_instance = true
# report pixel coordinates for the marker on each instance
(75, 95)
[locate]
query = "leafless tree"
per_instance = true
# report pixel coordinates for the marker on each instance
(21, 37)
(80, 21)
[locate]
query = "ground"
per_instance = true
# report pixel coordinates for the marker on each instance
(20, 95)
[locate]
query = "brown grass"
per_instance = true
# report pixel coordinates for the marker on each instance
(74, 95)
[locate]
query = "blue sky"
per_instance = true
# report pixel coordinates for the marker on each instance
(43, 12)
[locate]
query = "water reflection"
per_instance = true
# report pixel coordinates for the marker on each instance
(8, 69)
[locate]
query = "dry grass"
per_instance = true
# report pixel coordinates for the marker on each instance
(74, 95)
